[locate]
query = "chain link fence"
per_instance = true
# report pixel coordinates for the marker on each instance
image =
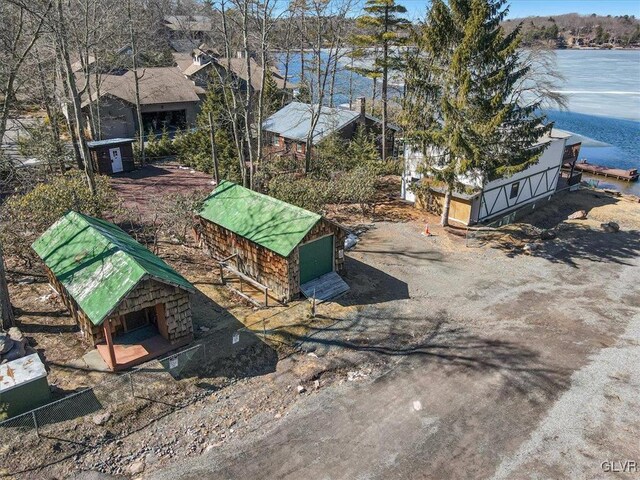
(98, 415)
(128, 402)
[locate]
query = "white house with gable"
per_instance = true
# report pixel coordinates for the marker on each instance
(500, 199)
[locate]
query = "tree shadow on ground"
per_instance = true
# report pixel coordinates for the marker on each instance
(436, 341)
(148, 171)
(369, 285)
(249, 356)
(574, 241)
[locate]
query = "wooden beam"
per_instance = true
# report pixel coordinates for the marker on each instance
(107, 335)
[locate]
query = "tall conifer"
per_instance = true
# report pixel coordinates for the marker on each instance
(467, 106)
(383, 23)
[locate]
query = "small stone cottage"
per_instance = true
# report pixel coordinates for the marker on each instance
(279, 245)
(128, 302)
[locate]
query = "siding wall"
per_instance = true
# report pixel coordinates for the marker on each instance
(148, 293)
(538, 182)
(280, 274)
(255, 261)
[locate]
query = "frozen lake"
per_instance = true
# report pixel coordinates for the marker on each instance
(603, 91)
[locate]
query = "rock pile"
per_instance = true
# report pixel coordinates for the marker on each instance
(13, 345)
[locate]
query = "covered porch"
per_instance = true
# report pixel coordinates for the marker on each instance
(135, 337)
(134, 347)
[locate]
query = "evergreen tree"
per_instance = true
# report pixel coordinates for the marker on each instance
(466, 104)
(383, 23)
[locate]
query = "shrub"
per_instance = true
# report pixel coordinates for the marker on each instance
(25, 217)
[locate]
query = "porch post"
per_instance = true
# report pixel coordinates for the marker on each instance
(107, 335)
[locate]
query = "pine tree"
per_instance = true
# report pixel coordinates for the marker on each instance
(383, 23)
(465, 106)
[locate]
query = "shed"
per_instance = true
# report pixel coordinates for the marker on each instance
(114, 155)
(23, 385)
(279, 245)
(128, 302)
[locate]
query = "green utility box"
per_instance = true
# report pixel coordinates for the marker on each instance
(23, 386)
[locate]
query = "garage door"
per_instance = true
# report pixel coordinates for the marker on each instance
(316, 258)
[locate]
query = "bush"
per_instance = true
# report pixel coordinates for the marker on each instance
(25, 217)
(305, 192)
(159, 147)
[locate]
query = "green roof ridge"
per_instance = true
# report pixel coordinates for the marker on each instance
(251, 214)
(110, 273)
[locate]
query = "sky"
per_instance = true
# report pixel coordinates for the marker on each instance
(525, 8)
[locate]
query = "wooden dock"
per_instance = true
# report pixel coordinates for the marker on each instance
(630, 175)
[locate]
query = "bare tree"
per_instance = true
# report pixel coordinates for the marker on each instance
(6, 312)
(325, 31)
(75, 94)
(136, 79)
(20, 31)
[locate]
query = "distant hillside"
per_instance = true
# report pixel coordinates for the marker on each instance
(579, 31)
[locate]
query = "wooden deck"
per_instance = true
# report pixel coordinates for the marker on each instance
(136, 347)
(630, 175)
(328, 286)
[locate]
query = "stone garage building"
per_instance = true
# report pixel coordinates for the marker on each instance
(279, 245)
(128, 302)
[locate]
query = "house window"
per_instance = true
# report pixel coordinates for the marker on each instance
(515, 187)
(276, 141)
(299, 147)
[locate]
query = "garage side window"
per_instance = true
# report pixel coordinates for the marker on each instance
(515, 187)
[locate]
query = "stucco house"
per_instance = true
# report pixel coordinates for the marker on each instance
(500, 200)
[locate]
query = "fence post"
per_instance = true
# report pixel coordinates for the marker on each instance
(35, 423)
(313, 304)
(131, 385)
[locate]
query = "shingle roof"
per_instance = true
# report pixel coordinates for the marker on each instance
(188, 23)
(98, 263)
(239, 69)
(294, 121)
(157, 85)
(271, 223)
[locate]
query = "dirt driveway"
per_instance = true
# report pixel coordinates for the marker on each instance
(500, 365)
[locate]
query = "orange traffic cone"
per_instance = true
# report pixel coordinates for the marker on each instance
(426, 233)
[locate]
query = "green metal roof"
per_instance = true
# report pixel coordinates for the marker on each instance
(98, 263)
(269, 222)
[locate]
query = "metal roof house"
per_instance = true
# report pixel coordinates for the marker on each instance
(287, 129)
(128, 302)
(279, 245)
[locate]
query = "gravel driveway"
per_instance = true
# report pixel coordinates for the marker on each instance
(498, 366)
